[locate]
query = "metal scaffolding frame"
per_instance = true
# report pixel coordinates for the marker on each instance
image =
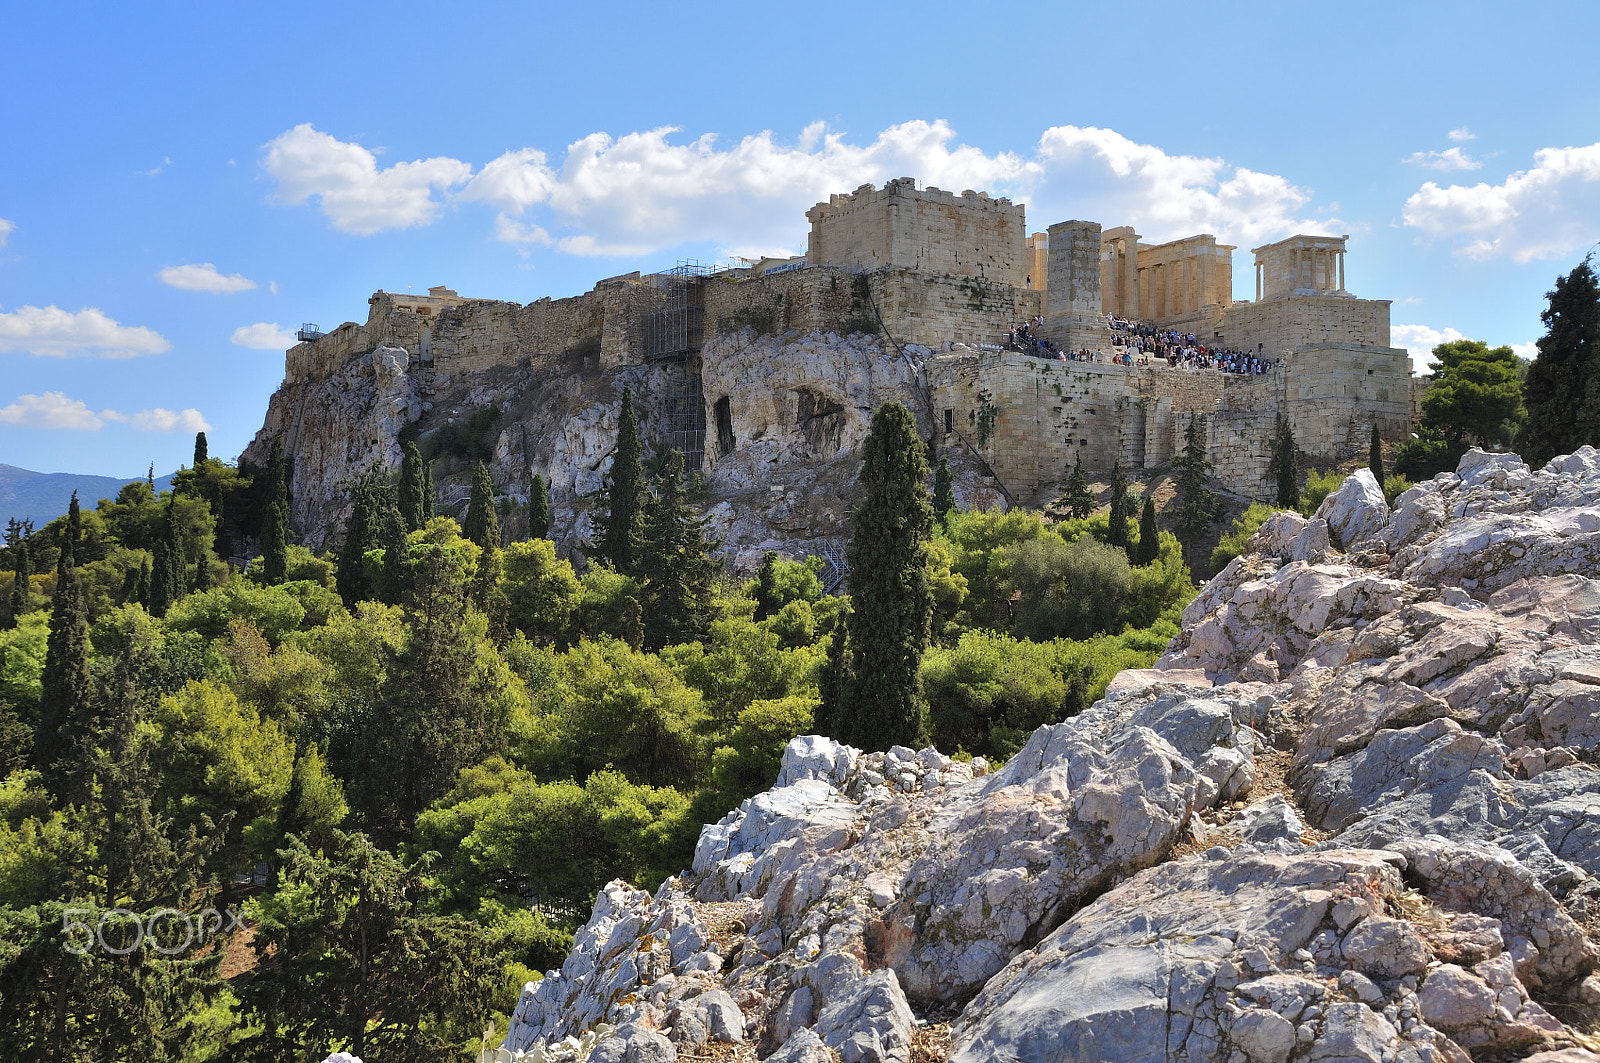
(674, 335)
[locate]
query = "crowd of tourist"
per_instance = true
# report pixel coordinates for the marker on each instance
(1138, 344)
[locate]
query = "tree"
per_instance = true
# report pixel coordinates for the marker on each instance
(1149, 536)
(350, 956)
(275, 546)
(66, 705)
(1284, 468)
(944, 496)
(1197, 508)
(892, 603)
(1563, 407)
(1476, 394)
(369, 498)
(539, 515)
(167, 575)
(416, 493)
(482, 525)
(200, 449)
(676, 564)
(767, 603)
(21, 599)
(1077, 499)
(1118, 516)
(833, 681)
(396, 559)
(625, 493)
(1375, 454)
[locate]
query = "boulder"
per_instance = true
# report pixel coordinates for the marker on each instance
(869, 1022)
(1356, 513)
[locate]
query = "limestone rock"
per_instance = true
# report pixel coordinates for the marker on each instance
(634, 1043)
(870, 1022)
(1357, 512)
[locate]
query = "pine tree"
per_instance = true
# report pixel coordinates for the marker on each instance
(1374, 457)
(1118, 516)
(202, 575)
(415, 504)
(275, 546)
(1197, 508)
(891, 600)
(20, 584)
(539, 515)
(944, 496)
(1563, 381)
(626, 495)
(482, 525)
(361, 531)
(1077, 499)
(676, 562)
(833, 681)
(767, 586)
(201, 450)
(66, 709)
(1284, 468)
(1149, 535)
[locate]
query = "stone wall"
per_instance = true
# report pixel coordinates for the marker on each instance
(970, 235)
(1073, 318)
(1305, 321)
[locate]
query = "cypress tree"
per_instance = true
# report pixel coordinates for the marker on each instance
(166, 576)
(202, 575)
(141, 592)
(1078, 500)
(892, 602)
(944, 496)
(482, 525)
(539, 515)
(360, 535)
(415, 505)
(833, 681)
(201, 450)
(625, 521)
(767, 586)
(20, 584)
(275, 546)
(1118, 516)
(1374, 457)
(1197, 507)
(1562, 383)
(1284, 469)
(66, 710)
(675, 558)
(1149, 535)
(396, 555)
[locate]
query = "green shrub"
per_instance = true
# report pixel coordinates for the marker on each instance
(1425, 456)
(1319, 485)
(470, 440)
(1394, 486)
(1232, 543)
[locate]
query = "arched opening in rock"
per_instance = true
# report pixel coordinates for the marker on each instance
(821, 422)
(724, 415)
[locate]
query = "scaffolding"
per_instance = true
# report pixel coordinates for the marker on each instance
(673, 337)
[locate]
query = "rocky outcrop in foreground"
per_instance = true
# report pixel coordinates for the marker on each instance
(1352, 814)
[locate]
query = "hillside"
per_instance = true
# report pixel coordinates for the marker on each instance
(44, 496)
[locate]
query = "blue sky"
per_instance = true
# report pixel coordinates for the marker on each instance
(181, 185)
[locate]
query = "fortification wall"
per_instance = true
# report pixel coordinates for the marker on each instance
(1305, 321)
(938, 232)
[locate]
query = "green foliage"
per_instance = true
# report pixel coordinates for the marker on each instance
(1077, 499)
(742, 661)
(675, 563)
(273, 611)
(1075, 590)
(315, 805)
(977, 542)
(1375, 446)
(944, 496)
(482, 526)
(749, 761)
(1562, 388)
(541, 591)
(1231, 545)
(21, 587)
(1149, 548)
(66, 708)
(609, 606)
(275, 546)
(1196, 507)
(625, 495)
(892, 602)
(1284, 468)
(416, 488)
(539, 515)
(1426, 455)
(1475, 396)
(1319, 485)
(1117, 518)
(22, 654)
(1395, 486)
(470, 440)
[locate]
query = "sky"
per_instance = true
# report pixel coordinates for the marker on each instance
(182, 185)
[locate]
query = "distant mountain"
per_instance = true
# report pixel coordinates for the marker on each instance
(44, 496)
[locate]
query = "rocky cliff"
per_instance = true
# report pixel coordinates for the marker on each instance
(1352, 814)
(785, 418)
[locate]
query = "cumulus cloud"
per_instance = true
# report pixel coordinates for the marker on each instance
(204, 278)
(354, 193)
(1448, 159)
(1420, 340)
(1551, 209)
(54, 410)
(6, 229)
(55, 333)
(1462, 135)
(263, 336)
(645, 191)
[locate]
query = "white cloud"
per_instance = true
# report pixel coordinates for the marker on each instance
(1420, 340)
(1529, 350)
(643, 192)
(56, 333)
(165, 162)
(6, 229)
(1462, 135)
(50, 410)
(1448, 159)
(356, 196)
(1548, 210)
(160, 420)
(54, 410)
(204, 278)
(263, 336)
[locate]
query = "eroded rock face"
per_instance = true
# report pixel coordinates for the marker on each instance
(1396, 773)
